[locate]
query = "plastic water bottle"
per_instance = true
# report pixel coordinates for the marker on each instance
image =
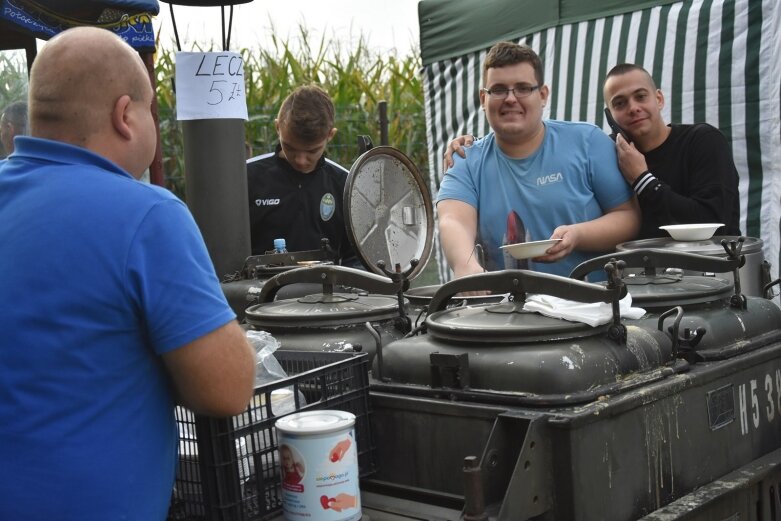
(280, 246)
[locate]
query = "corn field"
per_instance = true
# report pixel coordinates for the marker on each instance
(13, 77)
(357, 81)
(13, 81)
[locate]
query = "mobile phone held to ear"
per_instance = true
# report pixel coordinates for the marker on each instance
(615, 127)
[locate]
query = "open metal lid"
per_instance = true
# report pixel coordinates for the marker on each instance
(388, 211)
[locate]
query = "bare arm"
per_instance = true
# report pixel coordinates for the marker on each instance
(458, 232)
(617, 225)
(215, 373)
(457, 146)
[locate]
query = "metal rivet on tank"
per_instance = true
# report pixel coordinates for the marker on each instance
(493, 459)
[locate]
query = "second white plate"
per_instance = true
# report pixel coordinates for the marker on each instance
(692, 232)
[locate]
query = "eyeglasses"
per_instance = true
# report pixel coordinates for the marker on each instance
(519, 91)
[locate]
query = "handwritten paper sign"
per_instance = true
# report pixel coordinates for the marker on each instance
(210, 85)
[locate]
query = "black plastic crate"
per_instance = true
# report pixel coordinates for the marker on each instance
(229, 467)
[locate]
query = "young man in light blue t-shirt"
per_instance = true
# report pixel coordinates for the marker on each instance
(530, 180)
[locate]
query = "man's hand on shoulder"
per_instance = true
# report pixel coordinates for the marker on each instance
(457, 147)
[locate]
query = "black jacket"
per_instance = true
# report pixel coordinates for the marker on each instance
(691, 178)
(300, 208)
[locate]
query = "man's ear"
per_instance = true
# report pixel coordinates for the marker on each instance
(331, 134)
(119, 117)
(660, 99)
(544, 93)
(276, 125)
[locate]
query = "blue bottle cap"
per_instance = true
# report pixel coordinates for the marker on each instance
(279, 244)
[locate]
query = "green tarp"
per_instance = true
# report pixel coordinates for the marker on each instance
(717, 61)
(451, 28)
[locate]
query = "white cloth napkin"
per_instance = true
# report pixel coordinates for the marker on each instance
(593, 314)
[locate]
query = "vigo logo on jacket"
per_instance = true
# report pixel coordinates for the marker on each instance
(266, 202)
(327, 207)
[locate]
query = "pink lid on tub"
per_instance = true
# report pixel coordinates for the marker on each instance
(315, 422)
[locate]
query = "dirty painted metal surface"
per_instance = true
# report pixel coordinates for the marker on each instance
(751, 492)
(618, 457)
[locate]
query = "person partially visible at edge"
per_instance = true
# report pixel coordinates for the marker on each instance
(682, 174)
(295, 192)
(13, 122)
(110, 308)
(531, 180)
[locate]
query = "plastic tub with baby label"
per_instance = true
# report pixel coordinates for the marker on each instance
(229, 468)
(319, 462)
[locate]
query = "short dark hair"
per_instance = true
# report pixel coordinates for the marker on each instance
(16, 114)
(308, 113)
(503, 54)
(624, 68)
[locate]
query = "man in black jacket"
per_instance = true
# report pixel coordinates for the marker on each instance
(681, 174)
(296, 193)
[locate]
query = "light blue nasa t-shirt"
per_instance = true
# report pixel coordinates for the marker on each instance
(572, 177)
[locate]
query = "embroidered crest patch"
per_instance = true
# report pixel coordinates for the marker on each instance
(327, 207)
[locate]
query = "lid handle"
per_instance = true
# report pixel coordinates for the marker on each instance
(655, 258)
(766, 289)
(521, 282)
(328, 276)
(401, 280)
(733, 248)
(680, 343)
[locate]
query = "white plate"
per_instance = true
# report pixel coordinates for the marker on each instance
(692, 232)
(529, 250)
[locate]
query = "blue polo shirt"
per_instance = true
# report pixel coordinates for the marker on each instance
(99, 275)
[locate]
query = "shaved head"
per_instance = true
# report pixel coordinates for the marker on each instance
(76, 83)
(625, 68)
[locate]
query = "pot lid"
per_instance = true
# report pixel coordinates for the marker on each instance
(322, 309)
(661, 277)
(710, 246)
(671, 289)
(388, 211)
(506, 322)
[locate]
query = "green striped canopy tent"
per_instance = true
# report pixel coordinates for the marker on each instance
(717, 61)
